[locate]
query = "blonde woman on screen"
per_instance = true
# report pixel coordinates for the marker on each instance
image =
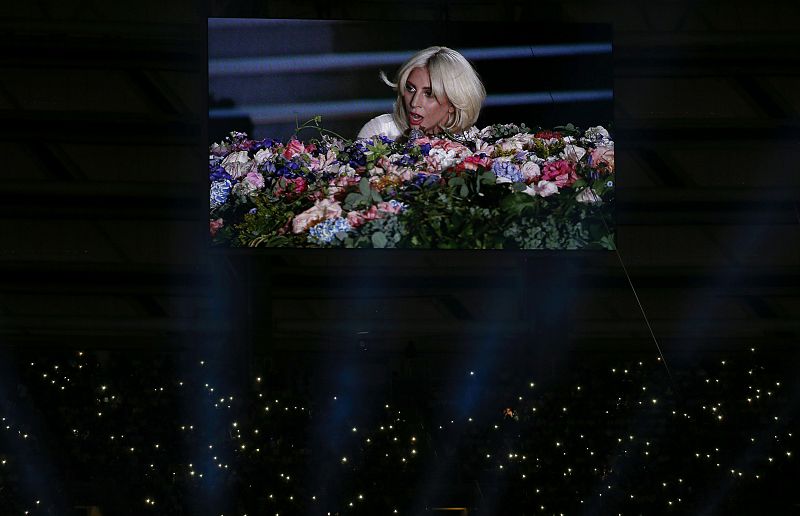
(437, 90)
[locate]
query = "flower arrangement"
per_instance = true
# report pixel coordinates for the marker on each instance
(503, 187)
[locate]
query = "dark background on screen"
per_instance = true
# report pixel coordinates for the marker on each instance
(564, 73)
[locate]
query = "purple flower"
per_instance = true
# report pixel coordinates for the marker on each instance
(255, 179)
(218, 173)
(405, 160)
(263, 144)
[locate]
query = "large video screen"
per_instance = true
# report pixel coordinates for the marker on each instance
(334, 134)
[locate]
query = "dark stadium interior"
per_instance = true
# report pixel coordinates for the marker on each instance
(143, 372)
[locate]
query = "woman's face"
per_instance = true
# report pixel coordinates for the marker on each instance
(424, 111)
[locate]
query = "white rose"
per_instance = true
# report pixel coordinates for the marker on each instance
(238, 164)
(530, 171)
(574, 153)
(588, 196)
(542, 189)
(596, 131)
(262, 155)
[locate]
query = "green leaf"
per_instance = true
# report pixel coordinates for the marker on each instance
(488, 178)
(608, 242)
(379, 240)
(353, 198)
(364, 188)
(519, 187)
(376, 196)
(516, 203)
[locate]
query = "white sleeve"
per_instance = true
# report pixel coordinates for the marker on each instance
(383, 124)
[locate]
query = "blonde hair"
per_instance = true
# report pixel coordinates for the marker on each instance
(452, 78)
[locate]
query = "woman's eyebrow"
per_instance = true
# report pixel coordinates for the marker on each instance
(415, 86)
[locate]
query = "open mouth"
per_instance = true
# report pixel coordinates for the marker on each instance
(415, 119)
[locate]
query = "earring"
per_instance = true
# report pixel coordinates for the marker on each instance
(451, 120)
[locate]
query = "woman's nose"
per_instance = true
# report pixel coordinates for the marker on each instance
(414, 99)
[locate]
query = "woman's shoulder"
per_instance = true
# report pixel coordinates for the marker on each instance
(381, 124)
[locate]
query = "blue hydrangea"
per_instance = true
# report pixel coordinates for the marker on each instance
(507, 170)
(325, 231)
(220, 190)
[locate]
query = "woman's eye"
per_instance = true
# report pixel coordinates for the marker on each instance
(409, 88)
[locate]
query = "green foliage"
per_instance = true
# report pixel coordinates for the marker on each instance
(577, 227)
(364, 198)
(269, 225)
(387, 232)
(463, 214)
(550, 233)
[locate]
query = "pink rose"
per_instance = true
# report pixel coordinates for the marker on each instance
(406, 173)
(255, 179)
(561, 172)
(339, 185)
(449, 145)
(292, 187)
(475, 161)
(358, 218)
(386, 164)
(324, 209)
(321, 161)
(293, 148)
(603, 157)
(215, 226)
